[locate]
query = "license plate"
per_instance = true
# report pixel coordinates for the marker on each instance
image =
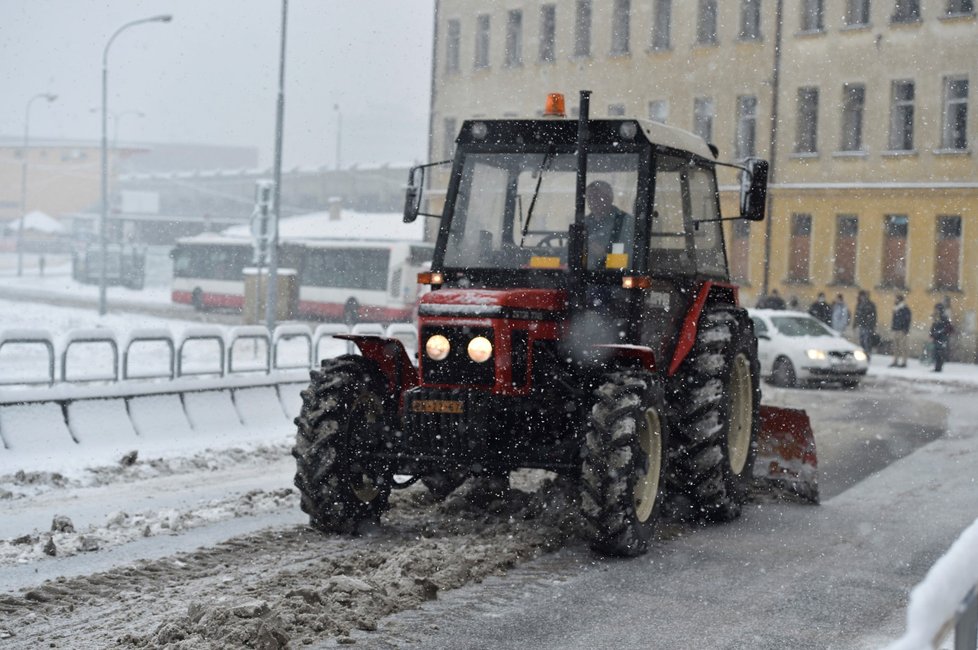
(437, 406)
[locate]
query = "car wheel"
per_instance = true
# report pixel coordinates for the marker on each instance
(783, 373)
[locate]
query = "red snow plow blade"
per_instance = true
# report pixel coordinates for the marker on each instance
(786, 461)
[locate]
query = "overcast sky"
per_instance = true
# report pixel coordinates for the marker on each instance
(211, 75)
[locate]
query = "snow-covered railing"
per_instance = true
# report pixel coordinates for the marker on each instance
(29, 337)
(218, 363)
(946, 600)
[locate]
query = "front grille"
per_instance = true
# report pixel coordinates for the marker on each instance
(519, 360)
(842, 355)
(457, 368)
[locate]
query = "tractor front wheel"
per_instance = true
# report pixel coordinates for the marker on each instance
(344, 421)
(623, 469)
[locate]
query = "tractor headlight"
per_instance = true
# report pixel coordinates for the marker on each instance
(437, 347)
(860, 355)
(480, 349)
(816, 355)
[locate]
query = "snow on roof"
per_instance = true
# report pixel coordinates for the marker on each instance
(350, 225)
(38, 222)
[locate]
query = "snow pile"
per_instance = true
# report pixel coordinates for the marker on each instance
(121, 527)
(936, 599)
(36, 221)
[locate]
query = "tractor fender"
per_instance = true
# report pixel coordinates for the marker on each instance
(630, 355)
(719, 292)
(392, 358)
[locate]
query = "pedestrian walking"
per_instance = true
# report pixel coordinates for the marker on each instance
(900, 326)
(771, 300)
(865, 322)
(940, 334)
(821, 310)
(840, 314)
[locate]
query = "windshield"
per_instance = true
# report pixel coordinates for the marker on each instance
(800, 326)
(515, 210)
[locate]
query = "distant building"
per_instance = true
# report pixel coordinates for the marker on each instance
(875, 176)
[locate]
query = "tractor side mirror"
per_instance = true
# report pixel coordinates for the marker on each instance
(753, 189)
(412, 195)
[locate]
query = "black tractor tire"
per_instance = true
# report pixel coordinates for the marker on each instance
(345, 418)
(783, 373)
(623, 471)
(715, 402)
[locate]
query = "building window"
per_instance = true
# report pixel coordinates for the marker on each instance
(662, 25)
(750, 20)
(703, 113)
(947, 256)
(955, 131)
(548, 33)
(739, 252)
(812, 15)
(582, 28)
(806, 137)
(482, 41)
(616, 110)
(895, 228)
(453, 43)
(449, 134)
(659, 110)
(853, 106)
(901, 115)
(514, 38)
(844, 265)
(906, 11)
(706, 23)
(620, 27)
(745, 142)
(960, 7)
(857, 13)
(799, 250)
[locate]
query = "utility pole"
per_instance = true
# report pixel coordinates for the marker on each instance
(772, 169)
(271, 303)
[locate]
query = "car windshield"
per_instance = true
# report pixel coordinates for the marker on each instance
(514, 210)
(800, 326)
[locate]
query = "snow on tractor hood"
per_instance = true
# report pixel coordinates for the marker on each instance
(500, 303)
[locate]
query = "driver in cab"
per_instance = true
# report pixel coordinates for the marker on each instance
(610, 229)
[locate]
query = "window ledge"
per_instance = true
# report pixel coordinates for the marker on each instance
(580, 57)
(804, 155)
(839, 283)
(895, 21)
(960, 16)
(807, 282)
(699, 44)
(899, 153)
(892, 287)
(750, 39)
(951, 152)
(945, 290)
(856, 27)
(808, 33)
(620, 55)
(859, 153)
(658, 49)
(513, 66)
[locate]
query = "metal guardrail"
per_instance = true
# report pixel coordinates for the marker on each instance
(176, 366)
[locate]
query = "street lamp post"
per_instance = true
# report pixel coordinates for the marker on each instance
(339, 131)
(23, 178)
(103, 221)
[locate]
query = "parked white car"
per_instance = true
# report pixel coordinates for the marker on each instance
(793, 348)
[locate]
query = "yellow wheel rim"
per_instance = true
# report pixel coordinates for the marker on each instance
(741, 414)
(647, 486)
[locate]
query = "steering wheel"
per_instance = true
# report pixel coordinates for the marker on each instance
(553, 240)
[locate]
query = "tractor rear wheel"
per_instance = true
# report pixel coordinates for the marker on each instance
(715, 397)
(623, 473)
(343, 422)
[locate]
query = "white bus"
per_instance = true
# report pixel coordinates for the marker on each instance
(349, 280)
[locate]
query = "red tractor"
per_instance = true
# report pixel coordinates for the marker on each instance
(580, 320)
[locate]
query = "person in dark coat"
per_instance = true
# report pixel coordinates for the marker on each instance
(900, 326)
(772, 300)
(821, 310)
(940, 334)
(865, 321)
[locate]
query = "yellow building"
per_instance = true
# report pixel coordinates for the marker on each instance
(868, 104)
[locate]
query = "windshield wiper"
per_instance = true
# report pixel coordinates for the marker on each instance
(536, 193)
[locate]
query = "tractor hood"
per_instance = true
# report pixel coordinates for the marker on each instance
(494, 303)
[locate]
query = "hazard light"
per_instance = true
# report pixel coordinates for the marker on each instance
(429, 277)
(554, 106)
(636, 282)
